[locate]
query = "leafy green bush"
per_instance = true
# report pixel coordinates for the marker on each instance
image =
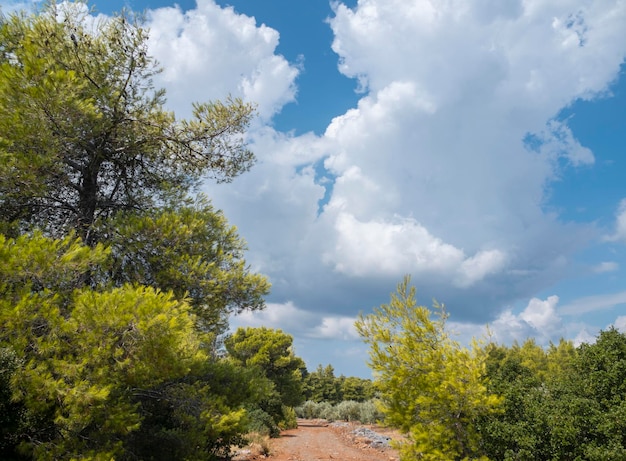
(261, 422)
(289, 420)
(328, 412)
(308, 410)
(369, 412)
(349, 410)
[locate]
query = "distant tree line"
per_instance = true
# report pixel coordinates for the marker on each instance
(322, 385)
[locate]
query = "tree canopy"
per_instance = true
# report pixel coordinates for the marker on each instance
(271, 353)
(83, 132)
(431, 388)
(86, 145)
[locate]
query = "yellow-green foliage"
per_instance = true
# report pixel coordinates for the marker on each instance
(431, 387)
(86, 354)
(192, 251)
(271, 352)
(83, 131)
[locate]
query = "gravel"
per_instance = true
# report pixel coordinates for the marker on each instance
(375, 439)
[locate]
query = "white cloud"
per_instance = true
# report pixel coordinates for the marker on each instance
(293, 320)
(589, 334)
(557, 140)
(594, 303)
(286, 317)
(539, 320)
(209, 52)
(404, 246)
(334, 327)
(605, 266)
(513, 49)
(584, 336)
(620, 224)
(541, 315)
(442, 168)
(479, 266)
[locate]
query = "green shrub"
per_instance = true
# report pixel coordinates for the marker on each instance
(289, 420)
(307, 410)
(369, 412)
(366, 412)
(11, 413)
(327, 411)
(262, 423)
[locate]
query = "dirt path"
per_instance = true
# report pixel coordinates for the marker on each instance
(319, 441)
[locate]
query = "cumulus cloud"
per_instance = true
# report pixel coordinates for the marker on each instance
(209, 52)
(286, 317)
(336, 327)
(584, 337)
(541, 315)
(539, 319)
(589, 335)
(442, 168)
(290, 318)
(557, 141)
(403, 246)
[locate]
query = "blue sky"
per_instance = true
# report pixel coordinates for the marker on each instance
(478, 145)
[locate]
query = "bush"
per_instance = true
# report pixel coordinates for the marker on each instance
(258, 444)
(328, 411)
(289, 420)
(349, 410)
(308, 410)
(262, 423)
(314, 410)
(369, 412)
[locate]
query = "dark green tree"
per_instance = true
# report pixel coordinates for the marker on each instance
(322, 385)
(560, 403)
(600, 370)
(271, 352)
(356, 389)
(83, 132)
(192, 251)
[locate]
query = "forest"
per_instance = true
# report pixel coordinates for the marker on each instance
(118, 278)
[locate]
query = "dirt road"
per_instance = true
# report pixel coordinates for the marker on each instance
(320, 441)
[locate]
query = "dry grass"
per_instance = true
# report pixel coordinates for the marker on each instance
(259, 446)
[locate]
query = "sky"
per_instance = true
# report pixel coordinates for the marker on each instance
(476, 145)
